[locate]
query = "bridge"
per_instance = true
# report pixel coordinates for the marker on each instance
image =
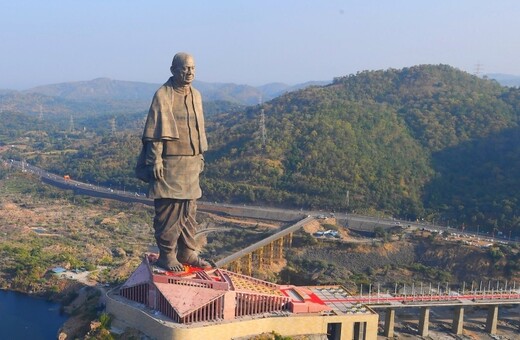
(264, 252)
(489, 299)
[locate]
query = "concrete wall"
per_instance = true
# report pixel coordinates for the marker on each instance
(127, 315)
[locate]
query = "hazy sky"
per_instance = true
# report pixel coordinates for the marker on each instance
(250, 42)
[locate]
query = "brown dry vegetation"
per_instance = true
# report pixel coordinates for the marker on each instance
(404, 258)
(42, 227)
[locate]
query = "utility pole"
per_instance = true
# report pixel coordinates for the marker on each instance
(478, 69)
(40, 115)
(262, 124)
(71, 124)
(113, 125)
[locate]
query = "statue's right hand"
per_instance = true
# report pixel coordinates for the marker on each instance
(158, 171)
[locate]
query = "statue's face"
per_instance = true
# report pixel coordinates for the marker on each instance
(185, 73)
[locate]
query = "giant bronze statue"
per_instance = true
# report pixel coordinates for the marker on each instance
(171, 160)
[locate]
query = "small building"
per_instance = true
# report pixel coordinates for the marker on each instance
(58, 270)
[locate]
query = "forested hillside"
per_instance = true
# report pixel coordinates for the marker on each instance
(428, 142)
(421, 142)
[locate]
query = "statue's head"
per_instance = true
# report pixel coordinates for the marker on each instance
(183, 68)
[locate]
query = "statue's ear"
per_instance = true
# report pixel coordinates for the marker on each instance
(172, 69)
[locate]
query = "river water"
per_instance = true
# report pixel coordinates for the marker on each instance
(23, 317)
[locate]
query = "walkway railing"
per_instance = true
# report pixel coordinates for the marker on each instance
(486, 296)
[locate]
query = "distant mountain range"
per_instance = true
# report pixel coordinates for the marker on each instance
(103, 95)
(108, 96)
(505, 79)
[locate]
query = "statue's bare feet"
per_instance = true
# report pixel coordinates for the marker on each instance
(192, 258)
(169, 265)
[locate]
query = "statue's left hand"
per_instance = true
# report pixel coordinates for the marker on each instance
(158, 171)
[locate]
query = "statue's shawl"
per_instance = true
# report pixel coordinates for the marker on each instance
(160, 123)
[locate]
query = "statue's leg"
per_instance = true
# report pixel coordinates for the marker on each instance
(168, 226)
(187, 245)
